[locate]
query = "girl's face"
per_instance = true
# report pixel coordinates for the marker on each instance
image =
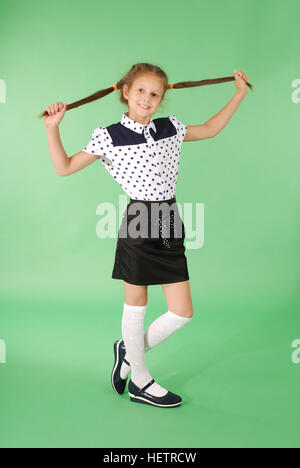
(144, 97)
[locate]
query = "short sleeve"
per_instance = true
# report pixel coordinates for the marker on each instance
(180, 127)
(100, 145)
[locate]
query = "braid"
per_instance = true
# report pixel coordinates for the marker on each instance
(190, 84)
(131, 75)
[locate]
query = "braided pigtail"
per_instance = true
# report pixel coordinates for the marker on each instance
(132, 74)
(190, 84)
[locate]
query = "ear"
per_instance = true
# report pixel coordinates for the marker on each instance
(125, 91)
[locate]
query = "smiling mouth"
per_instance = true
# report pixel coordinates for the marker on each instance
(144, 107)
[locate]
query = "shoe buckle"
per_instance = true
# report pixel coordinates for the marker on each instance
(145, 387)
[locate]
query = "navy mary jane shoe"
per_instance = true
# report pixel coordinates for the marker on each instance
(117, 382)
(140, 395)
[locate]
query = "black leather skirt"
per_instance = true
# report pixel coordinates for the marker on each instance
(150, 247)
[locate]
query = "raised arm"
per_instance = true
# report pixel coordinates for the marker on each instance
(63, 164)
(214, 125)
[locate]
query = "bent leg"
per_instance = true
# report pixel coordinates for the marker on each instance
(169, 322)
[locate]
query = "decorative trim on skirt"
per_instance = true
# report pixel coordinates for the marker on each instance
(150, 247)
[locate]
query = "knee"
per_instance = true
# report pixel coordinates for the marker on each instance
(135, 295)
(136, 299)
(187, 312)
(136, 302)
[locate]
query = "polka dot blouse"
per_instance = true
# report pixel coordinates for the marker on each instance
(143, 159)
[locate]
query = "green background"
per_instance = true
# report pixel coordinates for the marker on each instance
(61, 310)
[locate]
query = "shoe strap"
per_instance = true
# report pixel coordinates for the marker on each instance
(125, 360)
(145, 387)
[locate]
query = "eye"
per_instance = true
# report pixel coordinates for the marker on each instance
(154, 94)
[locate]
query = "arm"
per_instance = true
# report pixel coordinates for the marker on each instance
(63, 164)
(218, 121)
(214, 125)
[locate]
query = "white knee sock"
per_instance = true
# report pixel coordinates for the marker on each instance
(159, 330)
(133, 336)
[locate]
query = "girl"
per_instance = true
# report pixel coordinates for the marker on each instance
(142, 154)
